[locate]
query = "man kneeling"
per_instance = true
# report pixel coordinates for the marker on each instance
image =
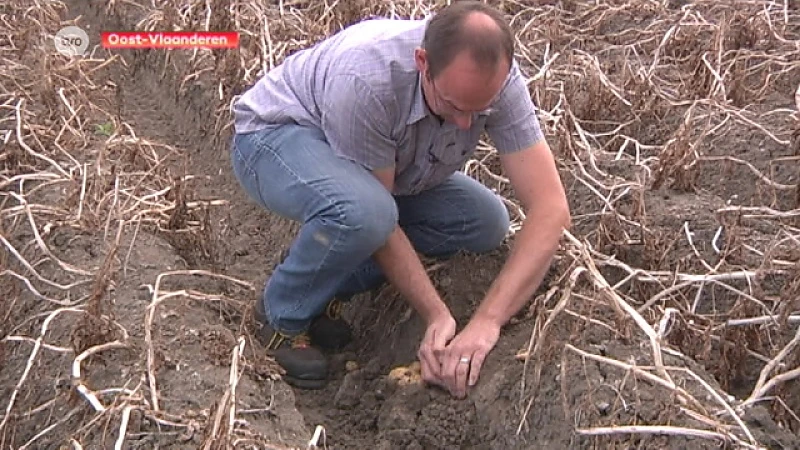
(361, 138)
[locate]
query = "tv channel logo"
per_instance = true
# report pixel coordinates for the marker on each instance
(71, 41)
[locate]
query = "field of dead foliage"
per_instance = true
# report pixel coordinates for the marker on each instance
(129, 258)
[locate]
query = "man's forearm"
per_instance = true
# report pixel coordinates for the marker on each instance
(533, 251)
(405, 271)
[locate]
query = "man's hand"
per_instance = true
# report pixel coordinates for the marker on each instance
(474, 343)
(439, 332)
(403, 268)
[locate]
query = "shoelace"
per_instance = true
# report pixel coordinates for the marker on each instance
(299, 341)
(334, 309)
(275, 341)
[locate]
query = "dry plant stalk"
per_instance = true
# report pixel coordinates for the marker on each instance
(215, 438)
(156, 299)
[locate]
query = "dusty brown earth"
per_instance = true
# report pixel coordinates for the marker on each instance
(131, 254)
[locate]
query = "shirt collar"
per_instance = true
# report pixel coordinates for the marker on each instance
(419, 109)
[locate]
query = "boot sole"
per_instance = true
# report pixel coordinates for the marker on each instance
(328, 349)
(305, 384)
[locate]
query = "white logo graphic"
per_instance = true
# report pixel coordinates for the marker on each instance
(71, 41)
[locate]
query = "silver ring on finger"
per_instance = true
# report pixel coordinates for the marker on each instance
(464, 360)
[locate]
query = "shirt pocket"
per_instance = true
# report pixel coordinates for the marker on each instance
(445, 158)
(457, 146)
(447, 152)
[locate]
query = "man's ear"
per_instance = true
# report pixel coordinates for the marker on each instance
(421, 59)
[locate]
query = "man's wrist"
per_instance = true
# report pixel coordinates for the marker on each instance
(434, 310)
(487, 317)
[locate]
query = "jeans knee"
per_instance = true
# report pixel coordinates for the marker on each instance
(492, 227)
(370, 218)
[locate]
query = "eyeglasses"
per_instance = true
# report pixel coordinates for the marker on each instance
(447, 107)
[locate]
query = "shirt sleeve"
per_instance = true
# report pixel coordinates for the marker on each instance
(513, 124)
(356, 123)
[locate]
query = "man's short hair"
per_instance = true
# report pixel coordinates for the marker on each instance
(446, 36)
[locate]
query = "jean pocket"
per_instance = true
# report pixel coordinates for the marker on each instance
(246, 150)
(248, 147)
(240, 161)
(244, 156)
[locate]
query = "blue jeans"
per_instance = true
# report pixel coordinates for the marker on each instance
(346, 215)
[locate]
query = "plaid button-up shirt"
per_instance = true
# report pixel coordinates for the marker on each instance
(362, 88)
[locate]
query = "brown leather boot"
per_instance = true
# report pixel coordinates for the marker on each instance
(329, 331)
(306, 367)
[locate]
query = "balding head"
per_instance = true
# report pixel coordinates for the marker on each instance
(469, 26)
